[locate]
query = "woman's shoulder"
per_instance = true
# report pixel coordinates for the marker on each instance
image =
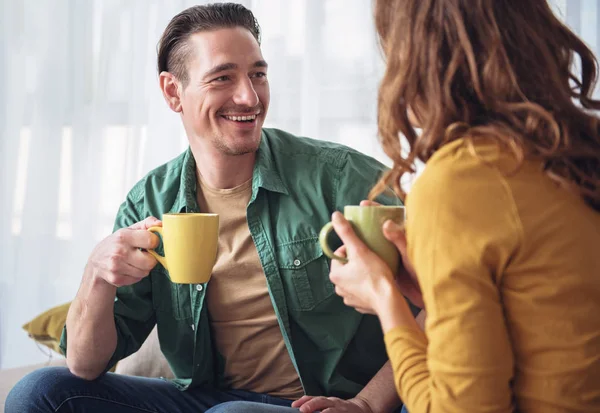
(466, 165)
(466, 154)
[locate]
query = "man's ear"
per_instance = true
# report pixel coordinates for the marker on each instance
(171, 89)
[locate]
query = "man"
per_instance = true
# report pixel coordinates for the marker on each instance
(268, 326)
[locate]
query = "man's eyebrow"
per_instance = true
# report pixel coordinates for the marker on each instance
(260, 63)
(220, 68)
(231, 66)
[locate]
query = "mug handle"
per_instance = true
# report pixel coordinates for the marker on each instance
(323, 235)
(159, 258)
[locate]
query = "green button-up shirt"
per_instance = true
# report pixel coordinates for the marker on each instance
(297, 183)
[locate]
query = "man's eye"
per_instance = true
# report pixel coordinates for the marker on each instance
(221, 79)
(260, 74)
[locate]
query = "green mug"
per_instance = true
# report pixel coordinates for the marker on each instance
(367, 222)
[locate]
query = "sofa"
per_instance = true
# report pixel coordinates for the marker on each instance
(148, 361)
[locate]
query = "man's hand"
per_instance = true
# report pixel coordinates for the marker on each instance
(119, 259)
(310, 404)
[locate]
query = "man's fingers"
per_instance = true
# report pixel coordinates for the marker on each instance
(142, 260)
(147, 223)
(133, 272)
(317, 403)
(126, 267)
(137, 238)
(127, 275)
(302, 400)
(346, 232)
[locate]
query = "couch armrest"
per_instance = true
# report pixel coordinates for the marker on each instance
(148, 361)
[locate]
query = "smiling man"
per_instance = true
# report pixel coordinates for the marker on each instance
(267, 331)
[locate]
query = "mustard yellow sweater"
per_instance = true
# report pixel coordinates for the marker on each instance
(509, 267)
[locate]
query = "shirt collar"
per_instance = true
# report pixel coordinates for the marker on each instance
(186, 197)
(265, 175)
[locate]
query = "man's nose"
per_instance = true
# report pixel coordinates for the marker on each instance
(245, 94)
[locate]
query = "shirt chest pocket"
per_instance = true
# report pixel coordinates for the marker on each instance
(304, 271)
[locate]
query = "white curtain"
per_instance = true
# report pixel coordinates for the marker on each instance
(82, 119)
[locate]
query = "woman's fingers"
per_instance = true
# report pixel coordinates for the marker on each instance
(395, 234)
(346, 233)
(369, 203)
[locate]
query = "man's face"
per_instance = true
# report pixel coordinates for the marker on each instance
(226, 99)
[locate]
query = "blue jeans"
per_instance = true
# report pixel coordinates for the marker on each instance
(56, 390)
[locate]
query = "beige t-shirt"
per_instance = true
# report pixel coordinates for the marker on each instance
(243, 320)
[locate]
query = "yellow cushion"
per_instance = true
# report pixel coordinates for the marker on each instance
(47, 327)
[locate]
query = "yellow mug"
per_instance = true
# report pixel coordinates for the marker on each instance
(190, 244)
(367, 222)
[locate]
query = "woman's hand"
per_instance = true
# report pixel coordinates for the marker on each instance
(365, 278)
(405, 274)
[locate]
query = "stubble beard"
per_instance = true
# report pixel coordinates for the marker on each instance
(250, 147)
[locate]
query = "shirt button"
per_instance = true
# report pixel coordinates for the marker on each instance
(199, 287)
(297, 262)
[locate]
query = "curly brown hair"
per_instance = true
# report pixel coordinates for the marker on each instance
(493, 69)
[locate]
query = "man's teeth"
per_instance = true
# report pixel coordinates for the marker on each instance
(241, 118)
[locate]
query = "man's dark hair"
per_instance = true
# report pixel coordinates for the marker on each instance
(173, 48)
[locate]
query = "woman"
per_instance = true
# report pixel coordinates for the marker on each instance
(503, 226)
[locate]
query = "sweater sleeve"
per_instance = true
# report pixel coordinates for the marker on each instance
(462, 230)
